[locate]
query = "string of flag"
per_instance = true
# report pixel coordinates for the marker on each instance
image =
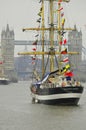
(63, 41)
(34, 47)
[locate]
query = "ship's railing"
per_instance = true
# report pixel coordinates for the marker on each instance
(48, 85)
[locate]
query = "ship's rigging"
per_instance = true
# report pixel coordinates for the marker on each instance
(51, 29)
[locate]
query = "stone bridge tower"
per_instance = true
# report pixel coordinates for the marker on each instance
(7, 49)
(75, 44)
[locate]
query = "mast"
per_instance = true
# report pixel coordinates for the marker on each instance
(59, 35)
(43, 38)
(51, 36)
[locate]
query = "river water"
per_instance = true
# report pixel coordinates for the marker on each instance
(18, 113)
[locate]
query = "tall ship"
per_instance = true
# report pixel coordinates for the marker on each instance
(55, 84)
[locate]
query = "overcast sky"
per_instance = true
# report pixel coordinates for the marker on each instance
(23, 13)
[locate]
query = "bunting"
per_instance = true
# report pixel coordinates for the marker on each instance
(64, 51)
(40, 13)
(60, 0)
(62, 33)
(41, 9)
(63, 42)
(70, 74)
(62, 14)
(33, 62)
(33, 58)
(1, 62)
(34, 49)
(63, 21)
(60, 42)
(60, 9)
(66, 59)
(36, 35)
(39, 20)
(67, 66)
(40, 1)
(35, 43)
(65, 69)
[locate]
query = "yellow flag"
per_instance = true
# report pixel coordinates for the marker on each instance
(67, 66)
(63, 21)
(40, 13)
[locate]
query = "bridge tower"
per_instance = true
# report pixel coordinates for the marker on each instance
(75, 44)
(7, 50)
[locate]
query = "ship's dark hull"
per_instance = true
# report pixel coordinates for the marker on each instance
(4, 82)
(58, 96)
(63, 101)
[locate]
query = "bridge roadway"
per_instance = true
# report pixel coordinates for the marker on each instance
(24, 42)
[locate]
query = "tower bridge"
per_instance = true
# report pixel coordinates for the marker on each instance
(8, 43)
(28, 43)
(24, 42)
(84, 52)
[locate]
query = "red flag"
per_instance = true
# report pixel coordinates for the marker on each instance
(60, 0)
(35, 43)
(60, 9)
(69, 74)
(33, 62)
(33, 58)
(64, 51)
(66, 59)
(65, 41)
(60, 42)
(62, 14)
(1, 62)
(34, 49)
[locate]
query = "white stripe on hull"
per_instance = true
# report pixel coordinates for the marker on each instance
(57, 96)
